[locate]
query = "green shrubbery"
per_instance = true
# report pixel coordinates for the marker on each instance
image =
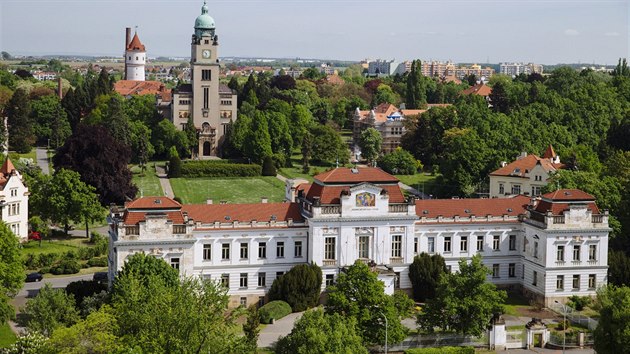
(97, 262)
(274, 310)
(578, 303)
(219, 169)
(66, 266)
(442, 350)
(300, 287)
(268, 168)
(52, 262)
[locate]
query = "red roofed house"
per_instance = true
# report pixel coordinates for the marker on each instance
(388, 120)
(527, 175)
(14, 200)
(549, 248)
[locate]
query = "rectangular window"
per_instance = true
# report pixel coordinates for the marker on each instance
(415, 245)
(535, 190)
(206, 75)
(463, 244)
(244, 250)
(447, 244)
(560, 282)
(243, 301)
(536, 249)
(262, 280)
(495, 270)
(479, 243)
(364, 247)
(576, 282)
(329, 248)
(501, 188)
(535, 278)
(262, 250)
(516, 189)
(261, 301)
(496, 241)
(524, 243)
(592, 281)
(225, 280)
(397, 280)
(297, 249)
(560, 254)
(397, 246)
(592, 252)
(243, 282)
(576, 252)
(225, 251)
(175, 263)
(511, 270)
(431, 244)
(207, 252)
(512, 239)
(279, 274)
(206, 97)
(280, 250)
(330, 279)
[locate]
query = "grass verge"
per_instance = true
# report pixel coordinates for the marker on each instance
(7, 337)
(232, 190)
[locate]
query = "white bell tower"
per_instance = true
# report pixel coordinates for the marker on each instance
(135, 58)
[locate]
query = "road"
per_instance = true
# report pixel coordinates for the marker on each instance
(42, 160)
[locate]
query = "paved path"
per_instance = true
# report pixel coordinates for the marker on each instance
(42, 160)
(414, 191)
(164, 182)
(282, 327)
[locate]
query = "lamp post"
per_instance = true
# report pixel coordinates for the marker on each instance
(564, 326)
(385, 317)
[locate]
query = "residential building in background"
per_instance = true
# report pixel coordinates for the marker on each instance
(550, 248)
(515, 69)
(527, 175)
(14, 200)
(382, 67)
(211, 105)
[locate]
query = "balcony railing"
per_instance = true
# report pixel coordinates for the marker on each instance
(132, 230)
(558, 219)
(179, 229)
(398, 208)
(597, 219)
(333, 209)
(395, 260)
(329, 262)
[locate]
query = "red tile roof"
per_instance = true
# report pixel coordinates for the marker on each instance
(356, 175)
(549, 153)
(153, 203)
(522, 166)
(384, 110)
(131, 87)
(7, 167)
(135, 44)
(448, 208)
(134, 217)
(478, 89)
(569, 195)
(332, 194)
(210, 213)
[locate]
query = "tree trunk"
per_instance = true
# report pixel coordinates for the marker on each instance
(87, 229)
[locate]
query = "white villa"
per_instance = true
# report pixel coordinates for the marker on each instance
(549, 247)
(14, 200)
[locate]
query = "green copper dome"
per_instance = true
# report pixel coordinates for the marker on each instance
(204, 24)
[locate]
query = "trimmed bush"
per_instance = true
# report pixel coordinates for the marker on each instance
(174, 167)
(97, 261)
(66, 266)
(268, 169)
(219, 169)
(300, 287)
(84, 288)
(274, 310)
(442, 350)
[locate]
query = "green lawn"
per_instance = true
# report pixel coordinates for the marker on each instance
(82, 271)
(148, 183)
(296, 170)
(54, 245)
(233, 190)
(31, 155)
(514, 302)
(7, 337)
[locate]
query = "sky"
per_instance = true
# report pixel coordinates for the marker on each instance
(541, 31)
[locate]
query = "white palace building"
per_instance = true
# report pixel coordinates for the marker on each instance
(550, 247)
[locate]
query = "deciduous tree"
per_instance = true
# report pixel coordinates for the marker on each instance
(20, 122)
(11, 271)
(300, 287)
(370, 143)
(49, 310)
(613, 329)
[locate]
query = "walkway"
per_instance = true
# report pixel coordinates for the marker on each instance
(282, 327)
(42, 159)
(164, 181)
(414, 191)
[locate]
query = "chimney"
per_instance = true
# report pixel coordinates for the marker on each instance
(59, 88)
(127, 41)
(208, 201)
(264, 200)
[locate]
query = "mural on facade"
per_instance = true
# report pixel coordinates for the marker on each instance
(365, 199)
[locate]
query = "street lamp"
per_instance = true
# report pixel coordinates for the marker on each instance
(385, 317)
(564, 326)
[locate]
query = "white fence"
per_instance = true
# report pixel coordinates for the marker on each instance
(573, 317)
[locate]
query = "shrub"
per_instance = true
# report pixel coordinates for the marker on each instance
(174, 167)
(219, 169)
(399, 162)
(97, 261)
(44, 270)
(84, 288)
(562, 325)
(268, 168)
(442, 350)
(47, 259)
(300, 287)
(274, 310)
(179, 200)
(66, 266)
(578, 303)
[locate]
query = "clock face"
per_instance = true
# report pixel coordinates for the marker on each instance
(206, 54)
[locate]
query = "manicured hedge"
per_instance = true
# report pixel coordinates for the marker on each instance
(97, 262)
(442, 350)
(274, 310)
(219, 169)
(66, 266)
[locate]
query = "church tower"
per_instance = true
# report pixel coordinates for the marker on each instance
(135, 58)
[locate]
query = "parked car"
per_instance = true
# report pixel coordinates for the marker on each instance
(100, 277)
(34, 277)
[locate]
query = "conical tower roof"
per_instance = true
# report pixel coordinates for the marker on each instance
(7, 167)
(135, 44)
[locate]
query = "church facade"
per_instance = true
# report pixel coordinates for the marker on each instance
(210, 104)
(549, 248)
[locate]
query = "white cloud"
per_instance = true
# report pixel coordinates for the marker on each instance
(612, 34)
(571, 32)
